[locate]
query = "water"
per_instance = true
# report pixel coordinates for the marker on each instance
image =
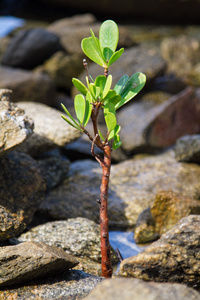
(9, 23)
(124, 241)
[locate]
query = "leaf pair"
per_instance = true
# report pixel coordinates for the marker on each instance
(128, 88)
(83, 109)
(103, 50)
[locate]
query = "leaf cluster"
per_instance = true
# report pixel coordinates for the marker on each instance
(99, 92)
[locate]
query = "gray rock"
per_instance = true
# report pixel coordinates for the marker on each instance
(22, 189)
(50, 130)
(133, 186)
(136, 289)
(29, 260)
(146, 126)
(68, 285)
(15, 126)
(54, 168)
(79, 237)
(27, 86)
(187, 148)
(175, 257)
(135, 59)
(30, 48)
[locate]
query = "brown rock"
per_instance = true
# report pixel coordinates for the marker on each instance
(175, 257)
(15, 126)
(27, 261)
(27, 86)
(135, 289)
(22, 189)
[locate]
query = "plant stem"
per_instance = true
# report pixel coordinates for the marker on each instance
(106, 264)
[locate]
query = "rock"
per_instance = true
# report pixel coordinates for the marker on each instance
(175, 257)
(78, 237)
(27, 86)
(135, 59)
(30, 48)
(167, 11)
(22, 188)
(27, 261)
(4, 41)
(15, 126)
(167, 209)
(187, 148)
(62, 67)
(136, 289)
(68, 285)
(50, 130)
(133, 186)
(159, 126)
(181, 54)
(10, 225)
(54, 167)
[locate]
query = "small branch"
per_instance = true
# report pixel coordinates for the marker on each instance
(86, 68)
(120, 257)
(106, 72)
(97, 157)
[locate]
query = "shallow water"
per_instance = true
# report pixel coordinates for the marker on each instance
(125, 242)
(9, 23)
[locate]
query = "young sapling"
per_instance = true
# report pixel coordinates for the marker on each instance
(98, 95)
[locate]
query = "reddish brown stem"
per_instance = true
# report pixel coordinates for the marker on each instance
(106, 265)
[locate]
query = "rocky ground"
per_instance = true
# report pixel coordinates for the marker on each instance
(49, 182)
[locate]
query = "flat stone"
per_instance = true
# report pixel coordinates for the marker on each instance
(133, 186)
(67, 285)
(27, 86)
(78, 237)
(29, 260)
(159, 125)
(50, 131)
(175, 257)
(15, 126)
(136, 289)
(187, 148)
(22, 189)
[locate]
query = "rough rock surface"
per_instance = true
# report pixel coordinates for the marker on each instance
(175, 257)
(79, 237)
(27, 261)
(68, 285)
(136, 289)
(159, 126)
(22, 189)
(50, 130)
(30, 47)
(27, 86)
(15, 126)
(133, 186)
(167, 209)
(187, 148)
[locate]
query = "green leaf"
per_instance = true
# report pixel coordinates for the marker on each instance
(100, 82)
(107, 86)
(80, 86)
(114, 132)
(94, 90)
(131, 88)
(111, 121)
(92, 49)
(101, 136)
(108, 38)
(121, 83)
(88, 108)
(79, 105)
(115, 56)
(117, 142)
(109, 107)
(69, 115)
(70, 123)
